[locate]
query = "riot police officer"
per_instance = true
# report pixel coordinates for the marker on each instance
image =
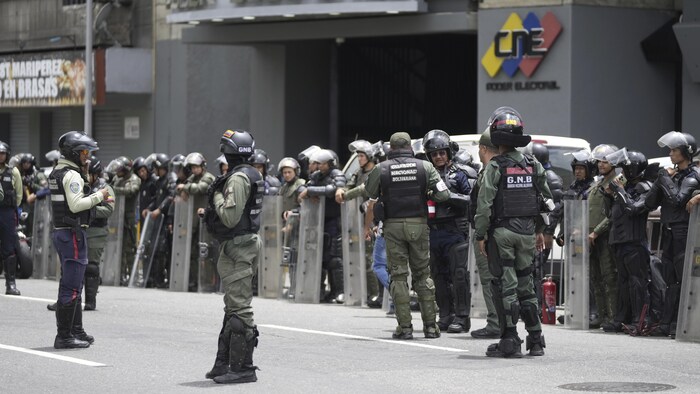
(127, 184)
(71, 207)
(261, 162)
(366, 158)
(449, 249)
(508, 209)
(161, 206)
(147, 191)
(11, 182)
(323, 184)
(556, 187)
(96, 233)
(223, 165)
(304, 159)
(233, 218)
(628, 214)
(673, 190)
(35, 185)
(293, 185)
(602, 258)
(403, 185)
(487, 151)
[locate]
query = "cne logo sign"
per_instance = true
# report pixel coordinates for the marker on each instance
(521, 44)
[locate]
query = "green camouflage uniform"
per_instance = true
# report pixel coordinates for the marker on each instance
(196, 187)
(129, 188)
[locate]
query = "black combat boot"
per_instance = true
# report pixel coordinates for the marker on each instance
(10, 270)
(535, 343)
(64, 322)
(460, 324)
(77, 330)
(91, 286)
(241, 359)
(52, 307)
(221, 362)
(404, 333)
(508, 347)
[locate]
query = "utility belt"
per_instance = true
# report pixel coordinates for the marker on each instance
(72, 224)
(449, 225)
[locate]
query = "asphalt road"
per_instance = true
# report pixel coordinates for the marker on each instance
(155, 341)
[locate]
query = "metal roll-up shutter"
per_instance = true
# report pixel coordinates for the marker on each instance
(19, 132)
(60, 124)
(108, 131)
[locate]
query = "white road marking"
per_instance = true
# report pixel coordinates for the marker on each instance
(28, 298)
(52, 355)
(337, 334)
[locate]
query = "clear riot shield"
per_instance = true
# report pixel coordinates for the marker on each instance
(148, 243)
(478, 304)
(42, 246)
(182, 242)
(688, 328)
(270, 262)
(208, 281)
(112, 257)
(290, 254)
(354, 270)
(308, 270)
(576, 264)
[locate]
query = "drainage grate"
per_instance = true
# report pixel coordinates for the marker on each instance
(618, 387)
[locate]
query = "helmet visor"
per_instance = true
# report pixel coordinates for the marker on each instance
(672, 140)
(582, 155)
(617, 158)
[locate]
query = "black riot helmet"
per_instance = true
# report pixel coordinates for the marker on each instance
(635, 165)
(464, 157)
(27, 158)
(506, 126)
(176, 162)
(72, 143)
(259, 156)
(540, 152)
(436, 140)
(95, 166)
(583, 158)
(161, 160)
(237, 146)
(5, 148)
(683, 141)
(139, 163)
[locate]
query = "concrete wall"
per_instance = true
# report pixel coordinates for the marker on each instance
(608, 92)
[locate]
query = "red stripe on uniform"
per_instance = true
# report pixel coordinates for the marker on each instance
(75, 247)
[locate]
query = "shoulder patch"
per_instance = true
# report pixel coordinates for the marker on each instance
(74, 187)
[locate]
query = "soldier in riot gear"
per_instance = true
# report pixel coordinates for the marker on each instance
(161, 206)
(304, 158)
(177, 175)
(96, 233)
(233, 218)
(35, 185)
(323, 184)
(11, 182)
(261, 162)
(673, 190)
(513, 190)
(449, 248)
(147, 191)
(603, 269)
(627, 210)
(403, 185)
(366, 157)
(127, 184)
(556, 187)
(196, 187)
(72, 206)
(223, 165)
(293, 185)
(487, 151)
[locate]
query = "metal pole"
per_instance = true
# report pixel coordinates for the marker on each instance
(88, 67)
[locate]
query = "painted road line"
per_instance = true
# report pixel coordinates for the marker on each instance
(52, 355)
(28, 298)
(337, 334)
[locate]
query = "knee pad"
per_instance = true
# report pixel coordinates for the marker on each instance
(92, 270)
(530, 314)
(399, 291)
(514, 312)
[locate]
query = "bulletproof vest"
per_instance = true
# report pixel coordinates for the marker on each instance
(10, 199)
(684, 179)
(596, 213)
(444, 211)
(62, 215)
(474, 197)
(102, 222)
(404, 184)
(147, 193)
(272, 185)
(517, 191)
(578, 190)
(625, 227)
(162, 189)
(287, 191)
(250, 219)
(318, 179)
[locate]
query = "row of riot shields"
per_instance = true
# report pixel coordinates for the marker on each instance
(688, 327)
(44, 256)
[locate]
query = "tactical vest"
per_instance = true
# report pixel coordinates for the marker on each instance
(445, 212)
(625, 227)
(62, 215)
(474, 197)
(404, 183)
(517, 191)
(10, 199)
(99, 222)
(684, 179)
(250, 219)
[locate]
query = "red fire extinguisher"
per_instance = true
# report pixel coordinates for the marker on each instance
(549, 302)
(431, 209)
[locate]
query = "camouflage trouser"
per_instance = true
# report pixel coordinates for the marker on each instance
(408, 245)
(518, 292)
(128, 247)
(96, 246)
(485, 277)
(238, 259)
(604, 277)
